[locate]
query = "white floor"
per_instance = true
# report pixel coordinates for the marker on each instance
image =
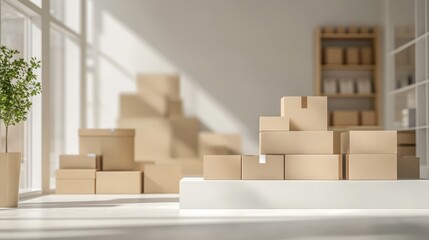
(158, 217)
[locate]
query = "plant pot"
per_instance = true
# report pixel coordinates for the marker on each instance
(10, 166)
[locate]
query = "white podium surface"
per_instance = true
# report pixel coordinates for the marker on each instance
(196, 193)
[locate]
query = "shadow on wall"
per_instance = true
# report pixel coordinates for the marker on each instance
(238, 57)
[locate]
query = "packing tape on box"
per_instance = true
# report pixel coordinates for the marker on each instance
(262, 159)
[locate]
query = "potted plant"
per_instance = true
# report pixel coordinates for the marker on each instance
(18, 84)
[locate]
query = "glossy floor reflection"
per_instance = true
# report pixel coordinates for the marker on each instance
(158, 217)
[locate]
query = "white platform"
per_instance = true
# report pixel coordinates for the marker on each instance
(195, 193)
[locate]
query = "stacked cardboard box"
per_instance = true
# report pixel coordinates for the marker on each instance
(408, 162)
(168, 144)
(298, 146)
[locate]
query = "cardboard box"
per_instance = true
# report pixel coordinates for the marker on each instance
(190, 167)
(271, 168)
(219, 143)
(313, 167)
(175, 107)
(368, 118)
(133, 105)
(345, 118)
(184, 136)
(161, 84)
(337, 142)
(366, 56)
(10, 165)
(296, 142)
(352, 55)
(371, 167)
(162, 179)
(333, 55)
(407, 138)
(115, 145)
(368, 142)
(273, 124)
(73, 181)
(406, 150)
(141, 165)
(306, 113)
(153, 137)
(89, 161)
(222, 167)
(117, 182)
(408, 167)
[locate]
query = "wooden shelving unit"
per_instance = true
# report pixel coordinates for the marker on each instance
(323, 70)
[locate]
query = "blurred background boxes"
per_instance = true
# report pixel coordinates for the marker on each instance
(368, 118)
(167, 85)
(347, 86)
(133, 105)
(115, 145)
(408, 167)
(366, 57)
(406, 150)
(75, 181)
(406, 138)
(313, 167)
(364, 86)
(345, 118)
(89, 161)
(272, 168)
(330, 86)
(352, 55)
(161, 179)
(222, 167)
(371, 167)
(119, 182)
(219, 143)
(333, 55)
(190, 167)
(273, 124)
(184, 136)
(175, 108)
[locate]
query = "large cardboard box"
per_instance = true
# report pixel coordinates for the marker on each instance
(273, 124)
(407, 150)
(368, 142)
(73, 181)
(333, 55)
(222, 167)
(115, 145)
(296, 142)
(313, 167)
(190, 167)
(119, 182)
(219, 143)
(407, 138)
(271, 167)
(368, 118)
(352, 55)
(133, 105)
(162, 179)
(89, 161)
(161, 84)
(306, 113)
(184, 136)
(153, 137)
(345, 118)
(408, 167)
(371, 167)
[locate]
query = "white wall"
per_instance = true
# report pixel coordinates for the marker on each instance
(237, 58)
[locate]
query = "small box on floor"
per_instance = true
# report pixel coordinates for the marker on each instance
(369, 142)
(371, 167)
(119, 182)
(408, 167)
(306, 113)
(345, 118)
(73, 181)
(296, 142)
(264, 167)
(162, 179)
(313, 167)
(222, 167)
(89, 161)
(115, 145)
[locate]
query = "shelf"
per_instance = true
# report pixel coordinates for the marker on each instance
(349, 95)
(348, 67)
(348, 128)
(347, 35)
(196, 193)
